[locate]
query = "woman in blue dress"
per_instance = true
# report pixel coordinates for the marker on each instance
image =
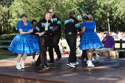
(90, 40)
(22, 43)
(35, 40)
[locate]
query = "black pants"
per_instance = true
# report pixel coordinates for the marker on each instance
(42, 59)
(71, 40)
(84, 54)
(55, 41)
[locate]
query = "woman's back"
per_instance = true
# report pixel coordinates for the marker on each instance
(89, 38)
(90, 26)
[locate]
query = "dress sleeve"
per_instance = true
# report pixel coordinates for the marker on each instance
(19, 25)
(83, 25)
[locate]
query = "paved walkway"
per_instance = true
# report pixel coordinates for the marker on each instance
(106, 71)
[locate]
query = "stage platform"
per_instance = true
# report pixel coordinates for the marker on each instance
(105, 71)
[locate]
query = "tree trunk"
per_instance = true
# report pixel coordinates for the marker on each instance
(2, 26)
(108, 25)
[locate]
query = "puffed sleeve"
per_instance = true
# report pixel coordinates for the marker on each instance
(83, 24)
(19, 25)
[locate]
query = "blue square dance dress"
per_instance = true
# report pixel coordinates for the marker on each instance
(23, 43)
(35, 39)
(90, 39)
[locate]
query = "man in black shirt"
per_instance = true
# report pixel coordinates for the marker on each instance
(46, 27)
(71, 27)
(55, 37)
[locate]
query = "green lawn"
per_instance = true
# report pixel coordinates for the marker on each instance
(7, 55)
(7, 36)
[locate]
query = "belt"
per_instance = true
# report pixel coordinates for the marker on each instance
(45, 36)
(33, 37)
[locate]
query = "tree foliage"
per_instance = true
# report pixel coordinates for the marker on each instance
(101, 10)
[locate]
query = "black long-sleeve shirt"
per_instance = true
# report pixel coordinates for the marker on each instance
(42, 25)
(72, 25)
(56, 24)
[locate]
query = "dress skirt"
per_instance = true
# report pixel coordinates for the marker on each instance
(90, 40)
(22, 44)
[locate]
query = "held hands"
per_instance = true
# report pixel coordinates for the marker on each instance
(40, 34)
(77, 35)
(30, 31)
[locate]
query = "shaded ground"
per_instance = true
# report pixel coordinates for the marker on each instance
(106, 71)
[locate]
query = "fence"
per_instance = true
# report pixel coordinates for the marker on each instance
(119, 44)
(5, 41)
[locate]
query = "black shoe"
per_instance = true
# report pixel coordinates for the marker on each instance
(50, 61)
(38, 67)
(46, 67)
(57, 59)
(80, 58)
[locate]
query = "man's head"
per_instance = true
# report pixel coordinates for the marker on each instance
(107, 33)
(52, 11)
(72, 13)
(85, 18)
(47, 15)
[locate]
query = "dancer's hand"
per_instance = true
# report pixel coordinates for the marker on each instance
(77, 35)
(30, 31)
(40, 34)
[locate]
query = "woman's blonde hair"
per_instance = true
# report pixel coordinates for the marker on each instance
(90, 17)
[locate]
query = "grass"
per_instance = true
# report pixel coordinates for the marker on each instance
(7, 55)
(7, 36)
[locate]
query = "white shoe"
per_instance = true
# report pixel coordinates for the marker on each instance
(93, 59)
(76, 63)
(87, 62)
(70, 65)
(90, 64)
(22, 64)
(33, 61)
(18, 66)
(97, 56)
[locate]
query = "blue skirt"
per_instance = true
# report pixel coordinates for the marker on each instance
(35, 39)
(22, 44)
(90, 40)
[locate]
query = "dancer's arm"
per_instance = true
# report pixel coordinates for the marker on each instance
(58, 26)
(81, 32)
(40, 34)
(21, 31)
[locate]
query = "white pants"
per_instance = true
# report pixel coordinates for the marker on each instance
(106, 49)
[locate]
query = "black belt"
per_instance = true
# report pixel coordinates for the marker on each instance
(33, 37)
(45, 36)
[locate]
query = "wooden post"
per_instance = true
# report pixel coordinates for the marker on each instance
(120, 43)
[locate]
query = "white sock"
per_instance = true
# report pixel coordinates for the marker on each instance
(33, 59)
